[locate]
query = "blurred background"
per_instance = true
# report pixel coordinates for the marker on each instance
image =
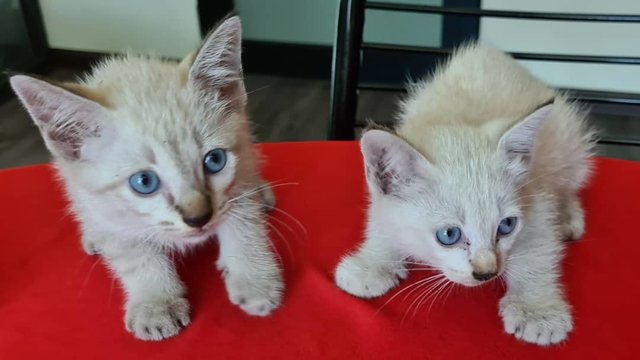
(288, 55)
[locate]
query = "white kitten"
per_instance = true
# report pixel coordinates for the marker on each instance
(157, 156)
(479, 180)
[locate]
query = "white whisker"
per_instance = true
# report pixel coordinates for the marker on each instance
(304, 230)
(415, 285)
(424, 293)
(284, 240)
(258, 189)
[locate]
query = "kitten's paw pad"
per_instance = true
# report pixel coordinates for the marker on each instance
(157, 320)
(362, 279)
(534, 324)
(257, 295)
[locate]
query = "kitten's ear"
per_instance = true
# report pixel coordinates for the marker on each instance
(392, 166)
(69, 123)
(520, 140)
(216, 72)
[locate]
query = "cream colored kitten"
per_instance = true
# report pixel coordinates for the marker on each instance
(479, 180)
(157, 156)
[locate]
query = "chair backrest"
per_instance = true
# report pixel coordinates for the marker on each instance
(349, 46)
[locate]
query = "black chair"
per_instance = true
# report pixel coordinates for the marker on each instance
(350, 50)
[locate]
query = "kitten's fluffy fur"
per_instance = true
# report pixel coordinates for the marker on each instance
(141, 113)
(478, 142)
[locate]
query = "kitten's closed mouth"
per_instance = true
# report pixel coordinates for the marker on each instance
(200, 235)
(208, 229)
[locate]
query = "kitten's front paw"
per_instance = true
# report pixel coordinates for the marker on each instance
(257, 294)
(543, 325)
(361, 278)
(157, 320)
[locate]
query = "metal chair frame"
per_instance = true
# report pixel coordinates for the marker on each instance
(349, 47)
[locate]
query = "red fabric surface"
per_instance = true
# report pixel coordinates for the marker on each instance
(57, 302)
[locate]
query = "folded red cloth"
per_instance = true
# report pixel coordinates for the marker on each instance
(57, 302)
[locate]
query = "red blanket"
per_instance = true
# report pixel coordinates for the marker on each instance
(57, 302)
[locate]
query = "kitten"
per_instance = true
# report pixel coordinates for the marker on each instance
(479, 180)
(157, 156)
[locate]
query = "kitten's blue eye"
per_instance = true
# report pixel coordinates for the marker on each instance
(449, 236)
(215, 160)
(144, 182)
(507, 225)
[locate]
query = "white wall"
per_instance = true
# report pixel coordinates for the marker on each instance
(570, 38)
(314, 22)
(289, 21)
(166, 27)
(170, 27)
(404, 28)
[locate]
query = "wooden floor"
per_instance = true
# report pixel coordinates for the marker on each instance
(282, 109)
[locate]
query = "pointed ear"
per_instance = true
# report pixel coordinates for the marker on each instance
(69, 123)
(216, 72)
(392, 166)
(519, 141)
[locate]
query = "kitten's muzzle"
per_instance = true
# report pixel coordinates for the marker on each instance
(195, 209)
(485, 264)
